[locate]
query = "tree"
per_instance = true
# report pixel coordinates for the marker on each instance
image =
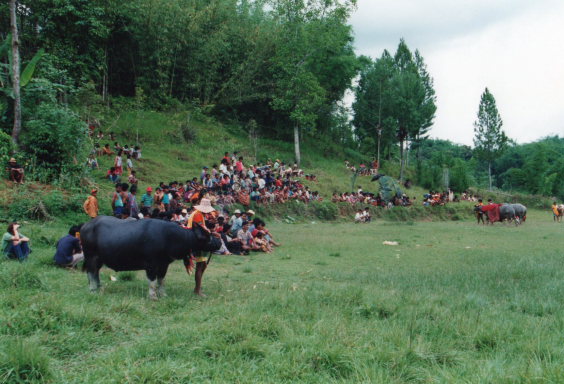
(15, 73)
(489, 141)
(395, 95)
(372, 105)
(310, 31)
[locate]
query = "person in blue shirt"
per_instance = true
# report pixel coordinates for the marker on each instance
(69, 252)
(166, 197)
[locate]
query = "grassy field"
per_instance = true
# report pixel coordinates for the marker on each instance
(452, 303)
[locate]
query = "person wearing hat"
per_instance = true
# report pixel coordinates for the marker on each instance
(14, 244)
(16, 171)
(91, 204)
(236, 222)
(198, 218)
(147, 199)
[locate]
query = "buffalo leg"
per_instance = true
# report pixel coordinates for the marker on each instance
(92, 266)
(152, 277)
(160, 281)
(94, 280)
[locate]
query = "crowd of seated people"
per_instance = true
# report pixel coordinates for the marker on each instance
(467, 196)
(434, 198)
(368, 198)
(363, 170)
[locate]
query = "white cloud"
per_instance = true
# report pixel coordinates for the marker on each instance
(513, 47)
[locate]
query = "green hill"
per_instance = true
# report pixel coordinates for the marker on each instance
(175, 146)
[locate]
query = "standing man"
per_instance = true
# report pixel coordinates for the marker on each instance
(147, 199)
(69, 253)
(117, 202)
(91, 204)
(198, 218)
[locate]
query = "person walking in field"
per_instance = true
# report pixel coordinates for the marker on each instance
(556, 213)
(91, 204)
(197, 217)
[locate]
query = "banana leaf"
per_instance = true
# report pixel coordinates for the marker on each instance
(30, 68)
(5, 46)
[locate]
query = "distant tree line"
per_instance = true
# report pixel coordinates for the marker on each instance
(283, 63)
(281, 67)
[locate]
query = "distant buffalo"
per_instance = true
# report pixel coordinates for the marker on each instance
(149, 245)
(520, 212)
(499, 212)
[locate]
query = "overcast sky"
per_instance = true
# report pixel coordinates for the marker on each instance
(513, 47)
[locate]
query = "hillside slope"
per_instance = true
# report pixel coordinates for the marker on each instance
(168, 155)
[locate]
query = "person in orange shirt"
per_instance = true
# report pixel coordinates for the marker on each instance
(91, 204)
(557, 215)
(198, 218)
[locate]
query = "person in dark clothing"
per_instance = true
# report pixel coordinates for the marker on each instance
(233, 245)
(69, 252)
(16, 171)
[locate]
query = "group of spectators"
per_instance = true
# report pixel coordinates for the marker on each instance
(363, 169)
(434, 198)
(369, 198)
(467, 196)
(123, 161)
(363, 215)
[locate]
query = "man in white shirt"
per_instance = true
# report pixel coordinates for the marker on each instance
(366, 215)
(359, 218)
(236, 222)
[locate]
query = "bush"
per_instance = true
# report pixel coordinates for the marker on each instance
(33, 205)
(324, 210)
(55, 139)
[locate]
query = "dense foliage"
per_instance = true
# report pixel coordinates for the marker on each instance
(395, 102)
(279, 67)
(279, 62)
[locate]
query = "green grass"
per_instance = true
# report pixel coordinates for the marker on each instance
(452, 303)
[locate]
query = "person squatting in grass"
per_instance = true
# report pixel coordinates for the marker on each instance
(69, 252)
(16, 171)
(14, 244)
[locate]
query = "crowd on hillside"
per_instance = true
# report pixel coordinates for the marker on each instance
(221, 186)
(363, 169)
(232, 181)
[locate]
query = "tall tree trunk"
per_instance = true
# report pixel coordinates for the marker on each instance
(490, 173)
(402, 160)
(297, 143)
(15, 73)
(105, 78)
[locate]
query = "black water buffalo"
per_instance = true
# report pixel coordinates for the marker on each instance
(149, 245)
(520, 212)
(506, 212)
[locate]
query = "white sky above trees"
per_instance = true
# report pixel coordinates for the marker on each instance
(513, 47)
